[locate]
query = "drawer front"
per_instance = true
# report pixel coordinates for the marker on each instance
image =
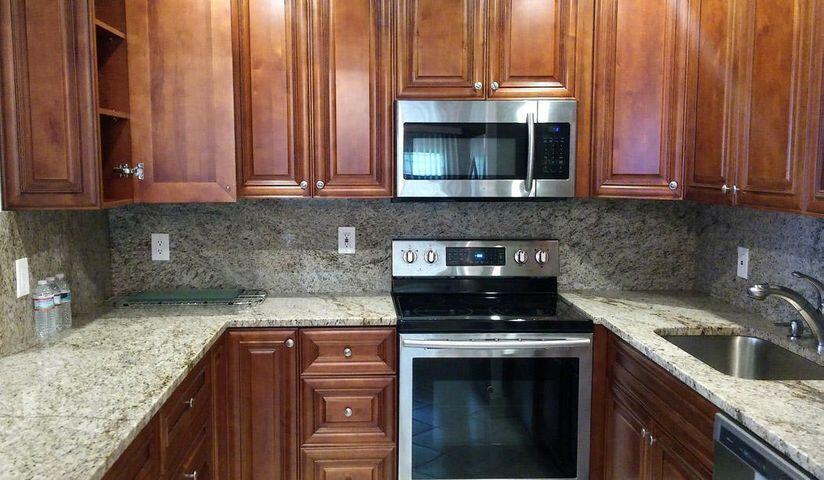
(350, 351)
(185, 414)
(197, 462)
(141, 461)
(348, 411)
(363, 463)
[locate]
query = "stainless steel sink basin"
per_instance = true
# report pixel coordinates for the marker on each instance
(748, 357)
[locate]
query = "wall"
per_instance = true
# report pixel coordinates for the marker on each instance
(779, 244)
(290, 246)
(76, 244)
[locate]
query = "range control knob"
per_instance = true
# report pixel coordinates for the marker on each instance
(430, 256)
(520, 257)
(409, 256)
(541, 257)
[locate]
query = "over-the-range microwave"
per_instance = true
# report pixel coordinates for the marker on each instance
(485, 149)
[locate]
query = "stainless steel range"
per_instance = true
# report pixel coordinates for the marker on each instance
(495, 369)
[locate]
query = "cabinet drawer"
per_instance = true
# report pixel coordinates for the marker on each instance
(363, 463)
(141, 461)
(348, 351)
(197, 462)
(348, 411)
(185, 415)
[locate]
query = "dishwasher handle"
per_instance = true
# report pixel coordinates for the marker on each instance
(496, 344)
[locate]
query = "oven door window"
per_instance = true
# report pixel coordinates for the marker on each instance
(494, 418)
(465, 151)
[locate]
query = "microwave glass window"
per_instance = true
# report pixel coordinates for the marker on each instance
(494, 418)
(465, 151)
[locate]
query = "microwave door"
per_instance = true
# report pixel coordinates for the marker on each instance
(554, 149)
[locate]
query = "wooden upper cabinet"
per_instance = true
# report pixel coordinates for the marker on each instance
(709, 167)
(772, 118)
(273, 86)
(48, 108)
(531, 48)
(640, 98)
(814, 172)
(440, 48)
(352, 98)
(182, 97)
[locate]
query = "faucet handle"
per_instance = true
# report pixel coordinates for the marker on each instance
(816, 283)
(797, 330)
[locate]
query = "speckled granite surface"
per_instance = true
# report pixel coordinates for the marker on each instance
(788, 414)
(75, 243)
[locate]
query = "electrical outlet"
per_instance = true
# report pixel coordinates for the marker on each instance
(160, 247)
(743, 262)
(346, 240)
(21, 274)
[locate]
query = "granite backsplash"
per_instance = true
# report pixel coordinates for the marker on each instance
(75, 243)
(290, 246)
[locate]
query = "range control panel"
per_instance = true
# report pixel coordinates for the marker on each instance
(475, 258)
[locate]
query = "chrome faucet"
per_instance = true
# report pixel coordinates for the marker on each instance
(813, 316)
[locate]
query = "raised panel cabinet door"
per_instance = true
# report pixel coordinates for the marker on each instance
(668, 460)
(640, 98)
(352, 98)
(274, 89)
(625, 444)
(532, 48)
(774, 52)
(361, 463)
(814, 173)
(49, 118)
(263, 404)
(440, 48)
(181, 86)
(709, 170)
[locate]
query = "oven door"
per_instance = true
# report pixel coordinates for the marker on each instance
(494, 406)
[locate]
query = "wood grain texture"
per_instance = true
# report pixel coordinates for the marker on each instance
(141, 460)
(361, 463)
(640, 97)
(814, 154)
(374, 351)
(48, 107)
(625, 455)
(440, 48)
(532, 47)
(220, 408)
(274, 89)
(181, 86)
(263, 404)
(352, 98)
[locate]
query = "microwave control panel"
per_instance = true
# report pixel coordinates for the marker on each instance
(552, 151)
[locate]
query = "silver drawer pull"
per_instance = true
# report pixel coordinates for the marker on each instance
(190, 403)
(347, 412)
(347, 352)
(191, 476)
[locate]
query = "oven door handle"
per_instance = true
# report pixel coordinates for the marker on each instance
(496, 345)
(530, 156)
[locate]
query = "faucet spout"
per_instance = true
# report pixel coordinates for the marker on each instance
(812, 315)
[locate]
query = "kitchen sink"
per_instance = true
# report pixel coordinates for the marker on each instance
(747, 357)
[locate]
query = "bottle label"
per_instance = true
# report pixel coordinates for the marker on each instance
(44, 303)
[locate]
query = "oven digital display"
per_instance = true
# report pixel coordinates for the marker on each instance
(475, 256)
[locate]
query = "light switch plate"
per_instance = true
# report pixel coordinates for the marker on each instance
(743, 262)
(21, 274)
(346, 240)
(160, 247)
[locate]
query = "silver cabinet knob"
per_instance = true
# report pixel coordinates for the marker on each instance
(347, 412)
(304, 185)
(190, 403)
(644, 433)
(651, 439)
(409, 256)
(541, 257)
(725, 189)
(478, 86)
(494, 86)
(673, 185)
(290, 343)
(520, 257)
(191, 476)
(347, 352)
(735, 189)
(430, 256)
(319, 184)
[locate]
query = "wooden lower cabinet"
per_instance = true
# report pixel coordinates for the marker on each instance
(654, 426)
(366, 463)
(141, 461)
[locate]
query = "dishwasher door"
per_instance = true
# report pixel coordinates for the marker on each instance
(740, 455)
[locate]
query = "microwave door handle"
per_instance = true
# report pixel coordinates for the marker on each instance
(496, 345)
(530, 156)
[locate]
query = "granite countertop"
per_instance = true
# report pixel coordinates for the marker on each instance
(68, 410)
(789, 415)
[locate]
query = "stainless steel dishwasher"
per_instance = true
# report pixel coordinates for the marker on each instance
(740, 455)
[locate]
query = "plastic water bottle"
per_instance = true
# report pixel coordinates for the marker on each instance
(43, 310)
(65, 301)
(56, 311)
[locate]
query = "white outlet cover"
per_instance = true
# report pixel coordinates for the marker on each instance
(21, 274)
(743, 266)
(160, 247)
(346, 240)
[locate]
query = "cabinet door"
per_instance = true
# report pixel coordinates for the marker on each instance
(440, 48)
(220, 409)
(815, 149)
(263, 404)
(352, 98)
(668, 460)
(625, 443)
(709, 161)
(48, 117)
(366, 463)
(774, 77)
(531, 48)
(141, 461)
(640, 97)
(182, 99)
(274, 121)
